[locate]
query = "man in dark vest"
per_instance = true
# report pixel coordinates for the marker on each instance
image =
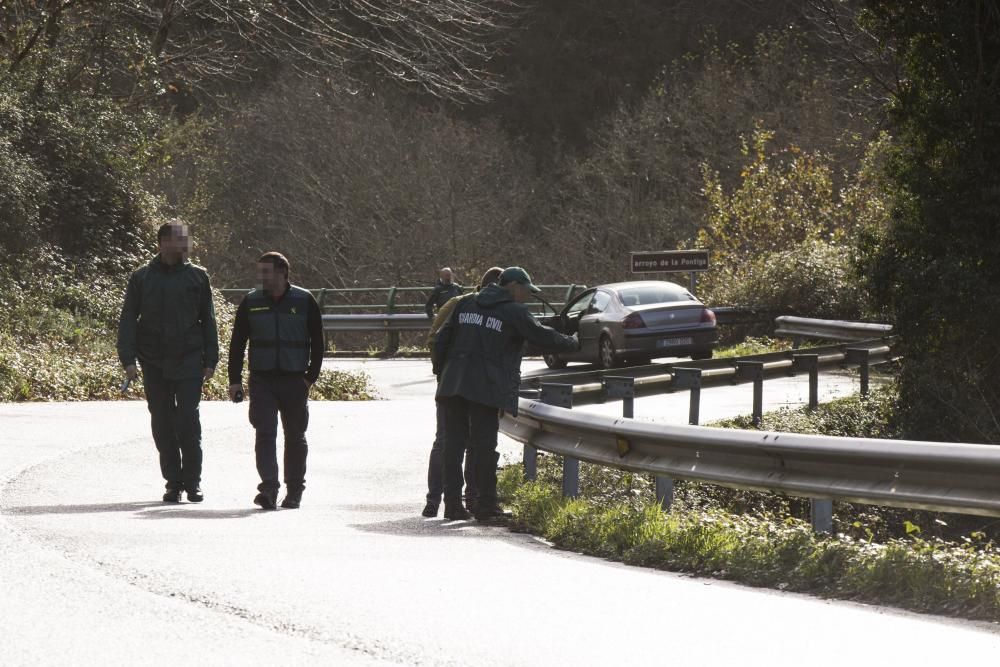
(445, 290)
(168, 324)
(285, 329)
(478, 362)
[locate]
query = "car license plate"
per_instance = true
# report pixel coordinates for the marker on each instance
(673, 342)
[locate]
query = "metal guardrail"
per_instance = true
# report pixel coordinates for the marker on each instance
(946, 477)
(935, 476)
(389, 319)
(798, 328)
(390, 303)
(377, 322)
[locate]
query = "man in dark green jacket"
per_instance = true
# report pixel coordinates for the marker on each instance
(168, 325)
(478, 362)
(284, 326)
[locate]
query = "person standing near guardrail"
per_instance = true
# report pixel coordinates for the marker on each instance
(284, 326)
(445, 290)
(167, 325)
(478, 362)
(435, 467)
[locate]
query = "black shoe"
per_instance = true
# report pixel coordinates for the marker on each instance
(430, 509)
(456, 512)
(172, 496)
(195, 495)
(470, 505)
(268, 500)
(292, 500)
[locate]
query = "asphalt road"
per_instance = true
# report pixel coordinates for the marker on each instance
(94, 570)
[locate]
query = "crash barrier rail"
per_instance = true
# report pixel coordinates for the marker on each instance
(821, 468)
(798, 328)
(394, 316)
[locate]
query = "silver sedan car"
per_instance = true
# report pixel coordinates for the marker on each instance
(636, 322)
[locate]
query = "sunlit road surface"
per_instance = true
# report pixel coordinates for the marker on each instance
(95, 570)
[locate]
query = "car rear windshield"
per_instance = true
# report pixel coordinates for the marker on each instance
(647, 294)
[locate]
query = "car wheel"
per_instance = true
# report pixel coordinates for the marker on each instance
(554, 361)
(701, 354)
(607, 357)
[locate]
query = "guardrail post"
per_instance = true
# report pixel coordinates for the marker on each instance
(624, 388)
(392, 337)
(810, 364)
(530, 459)
(821, 515)
(319, 302)
(860, 356)
(689, 378)
(753, 371)
(561, 396)
(621, 388)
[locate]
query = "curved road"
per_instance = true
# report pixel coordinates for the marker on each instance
(93, 570)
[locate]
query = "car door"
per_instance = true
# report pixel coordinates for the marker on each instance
(591, 325)
(571, 317)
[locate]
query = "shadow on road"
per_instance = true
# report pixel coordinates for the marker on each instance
(188, 512)
(97, 508)
(420, 527)
(144, 510)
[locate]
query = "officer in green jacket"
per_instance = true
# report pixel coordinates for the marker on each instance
(168, 325)
(284, 326)
(435, 466)
(478, 363)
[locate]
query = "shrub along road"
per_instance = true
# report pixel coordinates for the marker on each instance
(94, 569)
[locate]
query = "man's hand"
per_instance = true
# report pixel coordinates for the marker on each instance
(207, 373)
(233, 389)
(131, 372)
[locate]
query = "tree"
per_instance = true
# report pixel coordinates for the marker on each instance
(935, 265)
(167, 48)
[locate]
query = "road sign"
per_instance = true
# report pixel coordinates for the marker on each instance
(670, 260)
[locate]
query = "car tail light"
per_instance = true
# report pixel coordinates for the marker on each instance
(633, 321)
(707, 316)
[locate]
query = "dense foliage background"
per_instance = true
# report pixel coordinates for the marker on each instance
(835, 156)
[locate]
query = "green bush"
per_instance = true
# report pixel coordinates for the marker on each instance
(925, 561)
(924, 575)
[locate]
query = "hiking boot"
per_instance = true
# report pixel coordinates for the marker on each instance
(430, 509)
(194, 495)
(293, 498)
(456, 512)
(268, 500)
(496, 516)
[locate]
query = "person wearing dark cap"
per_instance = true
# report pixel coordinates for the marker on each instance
(285, 328)
(478, 362)
(435, 467)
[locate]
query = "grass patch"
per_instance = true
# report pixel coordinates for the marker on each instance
(922, 561)
(750, 346)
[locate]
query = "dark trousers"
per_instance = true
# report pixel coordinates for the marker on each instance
(470, 425)
(288, 396)
(176, 425)
(435, 467)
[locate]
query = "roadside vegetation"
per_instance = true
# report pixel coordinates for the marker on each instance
(58, 344)
(923, 561)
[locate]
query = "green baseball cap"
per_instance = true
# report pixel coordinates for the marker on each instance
(515, 274)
